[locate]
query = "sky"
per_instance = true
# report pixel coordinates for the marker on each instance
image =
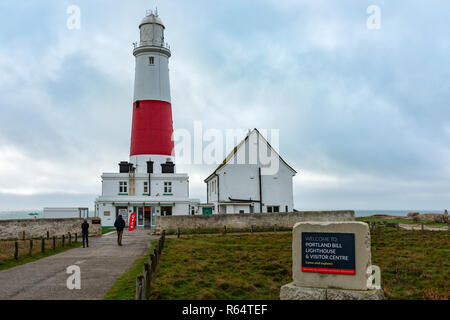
(363, 114)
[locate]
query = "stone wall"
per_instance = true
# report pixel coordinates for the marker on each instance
(243, 221)
(36, 228)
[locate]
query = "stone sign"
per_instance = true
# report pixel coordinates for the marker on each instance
(330, 260)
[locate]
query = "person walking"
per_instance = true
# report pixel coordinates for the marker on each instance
(85, 233)
(120, 225)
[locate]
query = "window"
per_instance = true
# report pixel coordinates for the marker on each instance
(145, 186)
(123, 187)
(151, 60)
(241, 211)
(273, 208)
(167, 187)
(192, 210)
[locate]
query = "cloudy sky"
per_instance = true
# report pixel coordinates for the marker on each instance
(364, 115)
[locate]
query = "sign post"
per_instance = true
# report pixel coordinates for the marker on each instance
(331, 261)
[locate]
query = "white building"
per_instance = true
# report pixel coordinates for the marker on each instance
(148, 184)
(245, 183)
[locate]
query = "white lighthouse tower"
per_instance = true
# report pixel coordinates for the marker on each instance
(152, 128)
(148, 183)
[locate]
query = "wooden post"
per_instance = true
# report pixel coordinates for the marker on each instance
(155, 252)
(23, 235)
(76, 237)
(139, 287)
(153, 263)
(70, 239)
(54, 242)
(42, 245)
(178, 232)
(63, 241)
(147, 280)
(16, 250)
(31, 247)
(224, 230)
(48, 235)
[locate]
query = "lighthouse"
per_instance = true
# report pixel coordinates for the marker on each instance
(148, 183)
(152, 126)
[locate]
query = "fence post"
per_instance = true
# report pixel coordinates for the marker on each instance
(155, 252)
(31, 247)
(16, 250)
(23, 235)
(76, 237)
(63, 241)
(178, 232)
(139, 287)
(147, 280)
(54, 242)
(42, 245)
(70, 239)
(48, 235)
(153, 263)
(224, 230)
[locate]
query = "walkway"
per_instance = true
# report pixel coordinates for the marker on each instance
(101, 265)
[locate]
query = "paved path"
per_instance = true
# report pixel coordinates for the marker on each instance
(419, 227)
(100, 264)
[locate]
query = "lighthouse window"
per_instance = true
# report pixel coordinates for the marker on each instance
(151, 60)
(167, 187)
(145, 187)
(123, 187)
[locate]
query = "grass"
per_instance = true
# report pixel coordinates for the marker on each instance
(106, 230)
(125, 287)
(414, 265)
(224, 267)
(400, 220)
(8, 262)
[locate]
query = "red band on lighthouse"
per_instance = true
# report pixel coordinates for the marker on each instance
(152, 128)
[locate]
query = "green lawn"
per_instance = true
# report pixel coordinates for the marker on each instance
(414, 265)
(10, 262)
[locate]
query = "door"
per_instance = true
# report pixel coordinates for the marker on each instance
(153, 223)
(140, 216)
(147, 217)
(206, 210)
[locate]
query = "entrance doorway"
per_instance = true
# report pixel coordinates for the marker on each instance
(147, 217)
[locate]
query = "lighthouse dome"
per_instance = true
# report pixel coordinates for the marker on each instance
(151, 18)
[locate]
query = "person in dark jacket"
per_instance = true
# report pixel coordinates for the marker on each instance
(120, 225)
(85, 233)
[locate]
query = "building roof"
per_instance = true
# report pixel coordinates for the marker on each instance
(235, 149)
